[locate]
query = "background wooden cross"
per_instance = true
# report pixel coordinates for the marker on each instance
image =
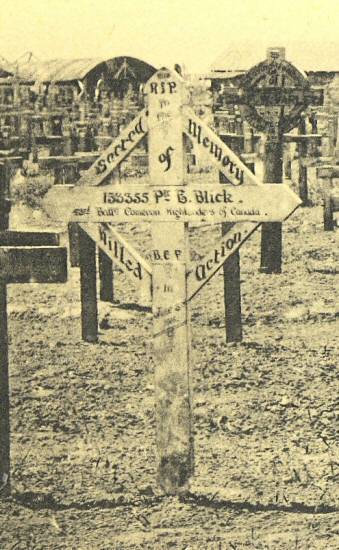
(306, 144)
(24, 258)
(242, 142)
(271, 97)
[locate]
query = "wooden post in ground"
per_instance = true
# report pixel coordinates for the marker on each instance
(5, 486)
(231, 267)
(5, 204)
(327, 174)
(171, 342)
(302, 152)
(4, 380)
(287, 161)
(243, 145)
(4, 377)
(328, 213)
(73, 239)
(271, 233)
(232, 294)
(106, 277)
(88, 288)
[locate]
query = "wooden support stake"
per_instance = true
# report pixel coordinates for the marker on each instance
(106, 277)
(4, 378)
(328, 213)
(271, 233)
(4, 397)
(88, 285)
(232, 291)
(73, 239)
(5, 205)
(287, 160)
(326, 174)
(232, 296)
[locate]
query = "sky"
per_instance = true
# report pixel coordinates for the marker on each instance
(164, 32)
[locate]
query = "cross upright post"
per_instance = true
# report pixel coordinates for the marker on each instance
(302, 152)
(88, 287)
(171, 343)
(271, 232)
(106, 277)
(4, 396)
(306, 147)
(4, 384)
(232, 291)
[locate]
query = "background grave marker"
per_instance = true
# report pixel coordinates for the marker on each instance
(24, 258)
(273, 96)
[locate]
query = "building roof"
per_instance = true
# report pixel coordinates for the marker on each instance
(58, 69)
(61, 70)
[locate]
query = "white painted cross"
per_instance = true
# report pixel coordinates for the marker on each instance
(169, 204)
(171, 338)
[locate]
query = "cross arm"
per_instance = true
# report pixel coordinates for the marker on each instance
(85, 160)
(45, 264)
(310, 96)
(15, 162)
(301, 138)
(315, 96)
(328, 171)
(31, 238)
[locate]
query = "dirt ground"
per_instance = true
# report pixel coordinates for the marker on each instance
(265, 413)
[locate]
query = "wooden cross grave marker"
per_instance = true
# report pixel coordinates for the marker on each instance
(272, 97)
(306, 144)
(24, 258)
(169, 203)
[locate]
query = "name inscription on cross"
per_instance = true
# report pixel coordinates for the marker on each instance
(169, 203)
